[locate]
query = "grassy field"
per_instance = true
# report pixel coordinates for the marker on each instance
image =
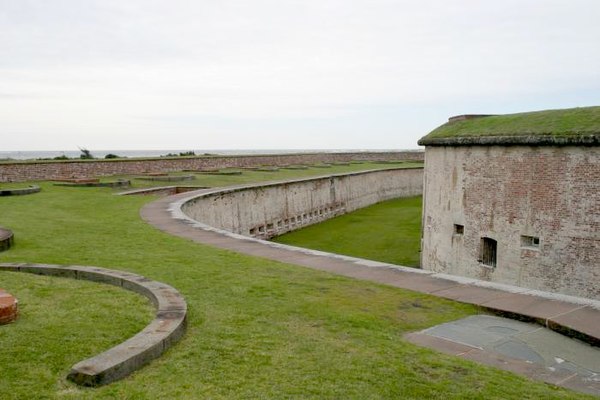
(257, 329)
(567, 122)
(389, 231)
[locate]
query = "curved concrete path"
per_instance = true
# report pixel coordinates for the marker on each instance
(168, 326)
(573, 316)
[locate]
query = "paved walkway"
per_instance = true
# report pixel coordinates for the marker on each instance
(576, 317)
(525, 348)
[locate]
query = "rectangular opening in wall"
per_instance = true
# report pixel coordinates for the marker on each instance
(488, 252)
(261, 229)
(279, 224)
(532, 242)
(459, 229)
(269, 226)
(252, 231)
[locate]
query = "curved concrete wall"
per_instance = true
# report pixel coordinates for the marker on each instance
(267, 210)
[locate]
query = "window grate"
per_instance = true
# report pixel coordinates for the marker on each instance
(488, 252)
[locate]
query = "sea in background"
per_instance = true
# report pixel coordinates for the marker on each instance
(34, 155)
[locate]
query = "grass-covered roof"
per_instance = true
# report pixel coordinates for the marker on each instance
(550, 127)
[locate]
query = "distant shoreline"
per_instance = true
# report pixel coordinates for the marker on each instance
(100, 154)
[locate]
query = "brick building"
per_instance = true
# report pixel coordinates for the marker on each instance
(515, 199)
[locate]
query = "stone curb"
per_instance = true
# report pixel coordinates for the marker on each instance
(21, 191)
(174, 178)
(121, 183)
(7, 239)
(118, 362)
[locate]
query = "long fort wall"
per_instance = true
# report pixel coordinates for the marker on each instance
(46, 170)
(266, 210)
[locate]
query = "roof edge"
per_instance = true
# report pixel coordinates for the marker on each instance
(592, 139)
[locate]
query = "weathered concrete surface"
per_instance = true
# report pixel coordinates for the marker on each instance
(119, 183)
(7, 239)
(521, 347)
(162, 190)
(268, 209)
(19, 171)
(20, 191)
(550, 193)
(129, 356)
(171, 178)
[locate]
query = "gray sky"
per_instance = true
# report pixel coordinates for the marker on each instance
(267, 74)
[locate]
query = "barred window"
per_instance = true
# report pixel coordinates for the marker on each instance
(488, 251)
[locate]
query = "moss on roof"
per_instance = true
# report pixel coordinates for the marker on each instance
(550, 127)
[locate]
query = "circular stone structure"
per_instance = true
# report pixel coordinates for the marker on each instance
(8, 307)
(6, 239)
(168, 326)
(20, 191)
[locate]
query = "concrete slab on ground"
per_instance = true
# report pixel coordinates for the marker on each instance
(521, 347)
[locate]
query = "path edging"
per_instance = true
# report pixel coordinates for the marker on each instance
(168, 326)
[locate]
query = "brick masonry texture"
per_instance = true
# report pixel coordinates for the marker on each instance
(8, 307)
(548, 192)
(45, 170)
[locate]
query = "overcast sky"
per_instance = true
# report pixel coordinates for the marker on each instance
(278, 74)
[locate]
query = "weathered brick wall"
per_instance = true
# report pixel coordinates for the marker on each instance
(33, 171)
(500, 192)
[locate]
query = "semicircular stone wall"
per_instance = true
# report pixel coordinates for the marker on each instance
(271, 209)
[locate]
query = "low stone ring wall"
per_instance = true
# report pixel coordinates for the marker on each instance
(6, 239)
(129, 356)
(120, 183)
(173, 178)
(20, 191)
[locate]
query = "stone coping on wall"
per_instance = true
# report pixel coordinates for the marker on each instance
(6, 239)
(260, 185)
(574, 316)
(20, 191)
(116, 363)
(172, 178)
(164, 190)
(508, 140)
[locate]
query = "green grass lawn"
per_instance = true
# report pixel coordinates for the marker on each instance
(389, 231)
(249, 176)
(566, 122)
(258, 329)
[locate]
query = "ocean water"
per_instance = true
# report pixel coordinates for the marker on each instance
(32, 155)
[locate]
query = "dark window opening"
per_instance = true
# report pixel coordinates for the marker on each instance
(530, 241)
(488, 251)
(459, 229)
